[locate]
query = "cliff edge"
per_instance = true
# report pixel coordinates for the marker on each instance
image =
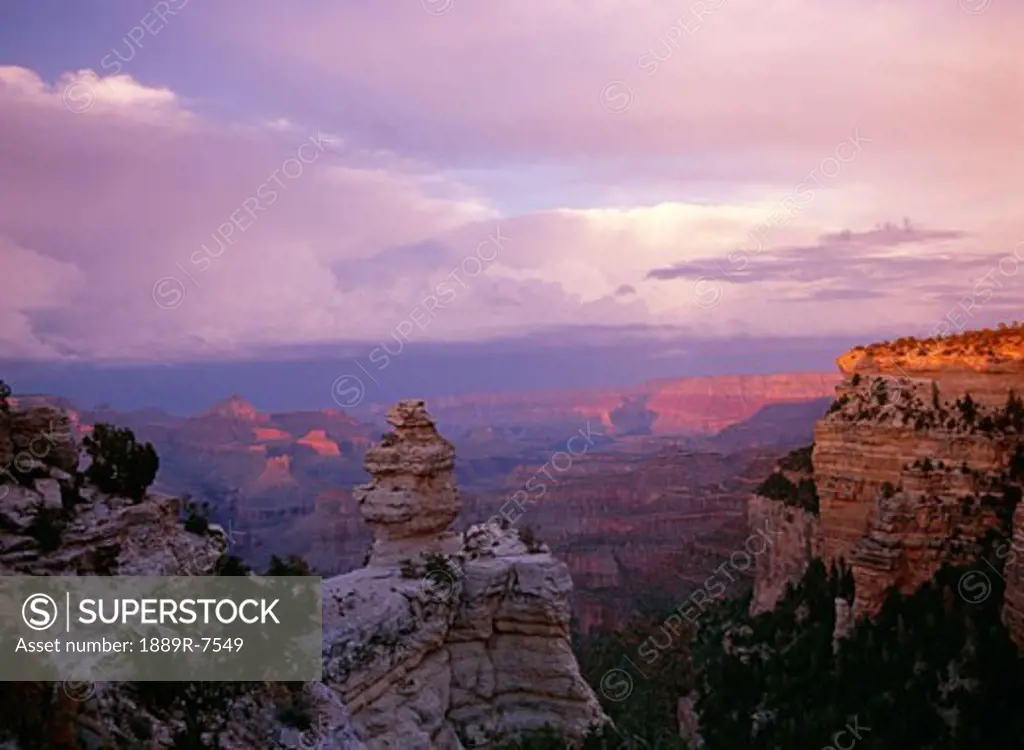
(918, 464)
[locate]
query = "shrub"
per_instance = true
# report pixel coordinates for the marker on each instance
(103, 560)
(5, 393)
(293, 565)
(807, 496)
(838, 404)
(230, 565)
(803, 495)
(1017, 464)
(799, 460)
(197, 519)
(968, 409)
(120, 465)
(440, 570)
(529, 537)
(47, 527)
(202, 707)
(70, 496)
(296, 710)
(777, 487)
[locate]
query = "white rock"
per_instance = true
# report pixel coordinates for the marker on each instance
(49, 490)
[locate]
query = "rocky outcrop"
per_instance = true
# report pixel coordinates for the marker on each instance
(917, 465)
(101, 535)
(910, 481)
(35, 437)
(1013, 575)
(411, 502)
(987, 364)
(797, 539)
(52, 523)
(444, 640)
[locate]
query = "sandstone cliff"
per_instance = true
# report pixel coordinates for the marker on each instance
(918, 464)
(798, 542)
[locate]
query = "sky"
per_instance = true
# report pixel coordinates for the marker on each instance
(195, 185)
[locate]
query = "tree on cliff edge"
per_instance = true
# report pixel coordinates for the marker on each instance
(119, 464)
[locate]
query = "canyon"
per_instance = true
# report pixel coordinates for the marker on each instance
(918, 464)
(640, 512)
(443, 640)
(671, 406)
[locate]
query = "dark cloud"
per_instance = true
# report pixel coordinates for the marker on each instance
(836, 295)
(858, 263)
(625, 290)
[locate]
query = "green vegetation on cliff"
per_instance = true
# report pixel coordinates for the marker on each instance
(120, 465)
(933, 670)
(802, 495)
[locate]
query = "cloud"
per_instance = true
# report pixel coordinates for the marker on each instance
(126, 217)
(836, 256)
(710, 90)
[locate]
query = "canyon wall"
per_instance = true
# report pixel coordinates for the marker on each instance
(798, 542)
(918, 464)
(638, 521)
(675, 406)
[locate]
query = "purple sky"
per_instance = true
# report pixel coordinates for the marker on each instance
(185, 182)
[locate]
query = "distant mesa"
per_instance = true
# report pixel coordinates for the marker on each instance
(318, 441)
(233, 407)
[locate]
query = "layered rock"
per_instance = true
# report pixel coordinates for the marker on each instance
(1013, 575)
(102, 535)
(637, 520)
(986, 364)
(36, 436)
(411, 501)
(52, 523)
(445, 640)
(797, 539)
(909, 482)
(660, 407)
(917, 465)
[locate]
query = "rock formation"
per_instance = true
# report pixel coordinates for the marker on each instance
(918, 464)
(446, 641)
(798, 541)
(411, 502)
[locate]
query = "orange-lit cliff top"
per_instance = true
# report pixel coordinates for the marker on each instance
(983, 350)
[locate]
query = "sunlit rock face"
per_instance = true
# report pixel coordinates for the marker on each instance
(447, 640)
(910, 473)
